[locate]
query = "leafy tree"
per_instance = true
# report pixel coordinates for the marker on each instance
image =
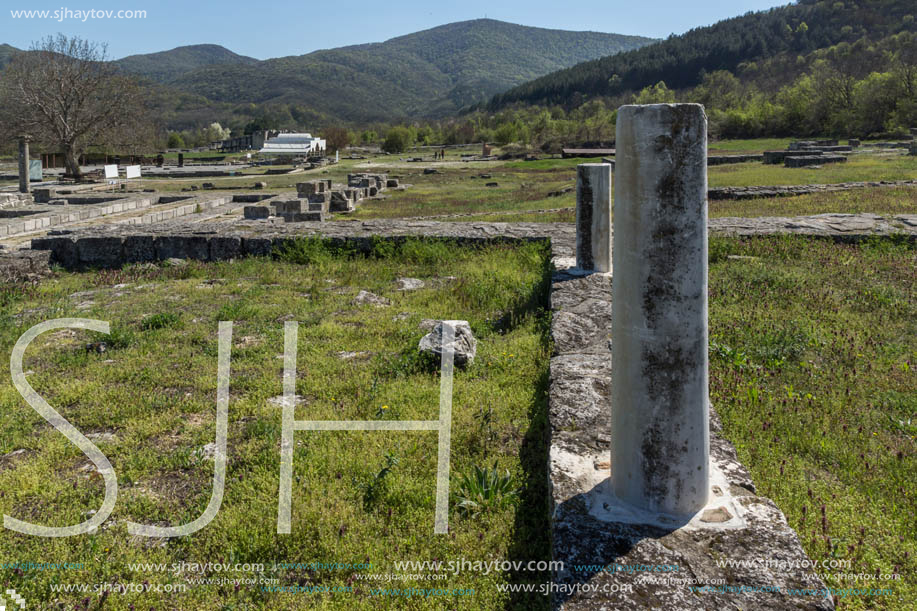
(215, 132)
(175, 141)
(397, 140)
(657, 94)
(337, 138)
(66, 95)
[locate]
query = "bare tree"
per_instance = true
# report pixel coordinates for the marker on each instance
(66, 95)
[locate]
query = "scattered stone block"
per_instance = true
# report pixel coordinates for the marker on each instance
(367, 298)
(810, 160)
(408, 284)
(340, 202)
(257, 212)
(280, 400)
(347, 355)
(778, 157)
(306, 189)
(464, 344)
(391, 183)
(292, 206)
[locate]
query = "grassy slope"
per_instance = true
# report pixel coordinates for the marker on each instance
(813, 372)
(154, 389)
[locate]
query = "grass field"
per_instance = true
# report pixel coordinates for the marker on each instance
(523, 186)
(813, 357)
(877, 200)
(813, 349)
(526, 186)
(358, 497)
(859, 167)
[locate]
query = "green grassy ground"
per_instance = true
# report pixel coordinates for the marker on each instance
(814, 374)
(153, 389)
(459, 190)
(859, 167)
(878, 200)
(524, 186)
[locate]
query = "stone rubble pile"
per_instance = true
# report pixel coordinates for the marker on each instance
(14, 199)
(316, 199)
(806, 153)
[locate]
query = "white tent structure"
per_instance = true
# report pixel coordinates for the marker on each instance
(293, 144)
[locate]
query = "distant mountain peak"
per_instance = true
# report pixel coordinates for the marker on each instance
(434, 72)
(166, 65)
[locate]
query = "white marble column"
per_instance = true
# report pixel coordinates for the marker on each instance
(593, 216)
(659, 396)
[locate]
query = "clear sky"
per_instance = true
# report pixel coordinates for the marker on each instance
(275, 28)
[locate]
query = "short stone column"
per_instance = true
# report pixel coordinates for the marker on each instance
(593, 216)
(659, 395)
(24, 186)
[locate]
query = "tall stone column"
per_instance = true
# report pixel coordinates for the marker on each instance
(659, 395)
(593, 216)
(24, 186)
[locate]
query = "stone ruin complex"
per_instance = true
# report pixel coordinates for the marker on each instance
(317, 198)
(639, 472)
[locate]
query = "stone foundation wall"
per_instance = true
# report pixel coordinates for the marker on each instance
(15, 199)
(737, 193)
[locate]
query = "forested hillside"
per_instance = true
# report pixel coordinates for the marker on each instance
(681, 61)
(167, 65)
(431, 73)
(844, 67)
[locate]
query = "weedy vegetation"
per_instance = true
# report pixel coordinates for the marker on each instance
(813, 371)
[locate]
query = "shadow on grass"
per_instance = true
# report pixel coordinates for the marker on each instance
(532, 524)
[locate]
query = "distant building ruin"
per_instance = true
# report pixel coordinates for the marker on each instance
(248, 142)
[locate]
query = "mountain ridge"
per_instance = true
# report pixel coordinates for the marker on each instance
(432, 73)
(681, 61)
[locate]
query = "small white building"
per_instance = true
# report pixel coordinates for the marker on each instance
(293, 144)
